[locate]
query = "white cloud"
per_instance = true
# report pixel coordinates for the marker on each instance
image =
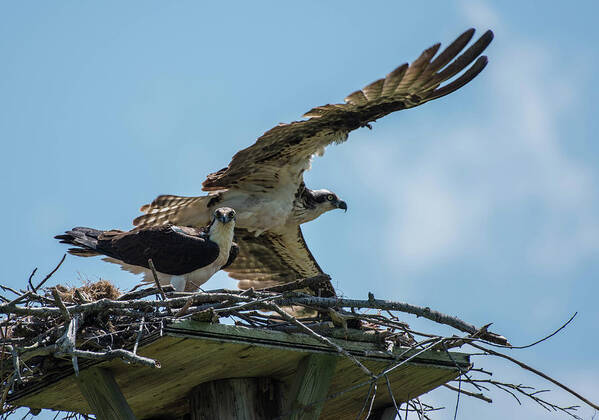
(509, 167)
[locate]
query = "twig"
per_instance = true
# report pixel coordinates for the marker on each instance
(391, 395)
(319, 337)
(140, 294)
(63, 309)
(529, 392)
(393, 306)
(547, 336)
(480, 396)
(10, 289)
(457, 402)
(459, 368)
(139, 333)
(158, 285)
(537, 372)
(298, 284)
(125, 305)
(372, 386)
(9, 384)
(114, 354)
(82, 299)
(16, 363)
(372, 401)
(30, 277)
(19, 299)
(66, 344)
(34, 289)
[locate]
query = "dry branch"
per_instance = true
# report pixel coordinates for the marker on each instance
(91, 327)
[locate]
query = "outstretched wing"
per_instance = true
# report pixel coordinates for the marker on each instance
(271, 259)
(292, 145)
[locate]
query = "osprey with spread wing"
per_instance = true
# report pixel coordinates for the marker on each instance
(264, 182)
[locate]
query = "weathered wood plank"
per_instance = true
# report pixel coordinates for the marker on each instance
(202, 353)
(239, 398)
(303, 342)
(104, 395)
(311, 383)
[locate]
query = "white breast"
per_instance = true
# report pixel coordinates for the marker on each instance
(222, 235)
(259, 211)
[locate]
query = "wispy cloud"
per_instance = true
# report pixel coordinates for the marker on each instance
(507, 172)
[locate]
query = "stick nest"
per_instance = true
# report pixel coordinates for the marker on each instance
(47, 331)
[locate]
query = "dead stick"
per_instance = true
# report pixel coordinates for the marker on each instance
(541, 374)
(139, 294)
(139, 333)
(60, 304)
(297, 284)
(185, 307)
(319, 337)
(124, 306)
(480, 396)
(393, 306)
(51, 273)
(112, 354)
(31, 277)
(158, 285)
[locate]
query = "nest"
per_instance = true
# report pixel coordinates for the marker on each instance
(45, 331)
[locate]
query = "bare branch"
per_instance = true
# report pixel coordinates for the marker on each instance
(298, 284)
(425, 312)
(480, 396)
(63, 309)
(35, 289)
(319, 337)
(158, 285)
(537, 372)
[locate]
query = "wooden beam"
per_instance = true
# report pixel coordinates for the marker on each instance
(312, 381)
(239, 398)
(104, 395)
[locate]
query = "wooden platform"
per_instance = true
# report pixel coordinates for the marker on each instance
(192, 353)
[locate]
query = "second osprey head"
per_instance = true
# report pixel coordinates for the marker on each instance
(224, 215)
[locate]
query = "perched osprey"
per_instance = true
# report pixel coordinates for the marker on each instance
(264, 182)
(185, 257)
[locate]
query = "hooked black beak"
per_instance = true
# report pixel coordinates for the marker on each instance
(342, 205)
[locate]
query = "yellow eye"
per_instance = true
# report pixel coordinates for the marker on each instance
(330, 197)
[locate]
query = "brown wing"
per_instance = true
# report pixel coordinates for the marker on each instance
(175, 250)
(183, 211)
(292, 145)
(271, 259)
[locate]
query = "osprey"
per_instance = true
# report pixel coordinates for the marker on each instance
(264, 182)
(185, 257)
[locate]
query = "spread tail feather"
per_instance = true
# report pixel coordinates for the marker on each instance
(85, 239)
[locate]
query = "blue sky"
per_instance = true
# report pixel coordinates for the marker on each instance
(483, 204)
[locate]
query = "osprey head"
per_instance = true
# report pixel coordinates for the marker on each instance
(223, 215)
(328, 200)
(312, 203)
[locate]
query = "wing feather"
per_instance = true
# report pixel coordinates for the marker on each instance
(291, 146)
(174, 252)
(271, 259)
